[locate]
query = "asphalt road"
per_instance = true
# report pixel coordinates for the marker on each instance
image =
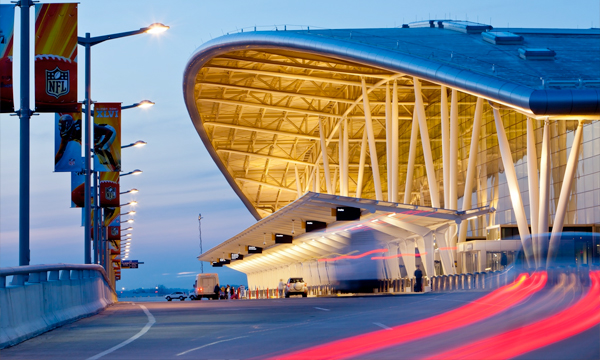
(243, 329)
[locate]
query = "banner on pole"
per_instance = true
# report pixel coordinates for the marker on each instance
(78, 188)
(56, 57)
(67, 142)
(112, 220)
(7, 22)
(109, 189)
(107, 136)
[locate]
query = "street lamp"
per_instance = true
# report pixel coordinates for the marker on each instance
(88, 42)
(128, 229)
(132, 191)
(138, 143)
(134, 172)
(128, 221)
(142, 104)
(132, 212)
(129, 203)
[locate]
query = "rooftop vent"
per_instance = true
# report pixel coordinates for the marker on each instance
(502, 38)
(426, 24)
(536, 54)
(466, 27)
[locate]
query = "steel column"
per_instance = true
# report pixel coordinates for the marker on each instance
(513, 187)
(532, 179)
(545, 167)
(445, 145)
(430, 169)
(371, 139)
(388, 141)
(412, 153)
(361, 164)
(453, 151)
(471, 167)
(565, 194)
(325, 156)
(345, 159)
(395, 142)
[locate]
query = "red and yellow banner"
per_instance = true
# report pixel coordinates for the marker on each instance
(109, 189)
(67, 142)
(78, 188)
(7, 22)
(56, 57)
(112, 220)
(107, 136)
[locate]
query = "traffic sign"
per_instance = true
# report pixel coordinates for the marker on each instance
(130, 264)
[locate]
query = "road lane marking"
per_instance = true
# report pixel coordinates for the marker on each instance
(383, 326)
(212, 343)
(151, 321)
(318, 308)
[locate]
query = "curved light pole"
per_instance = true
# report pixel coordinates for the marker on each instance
(88, 42)
(138, 143)
(134, 172)
(132, 191)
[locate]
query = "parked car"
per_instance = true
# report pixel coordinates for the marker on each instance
(296, 286)
(176, 295)
(205, 287)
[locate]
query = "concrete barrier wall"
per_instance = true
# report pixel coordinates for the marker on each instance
(33, 308)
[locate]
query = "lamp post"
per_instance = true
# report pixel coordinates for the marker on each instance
(88, 42)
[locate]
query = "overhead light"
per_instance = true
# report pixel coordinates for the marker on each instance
(157, 28)
(145, 104)
(472, 217)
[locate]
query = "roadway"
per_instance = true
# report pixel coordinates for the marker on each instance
(242, 329)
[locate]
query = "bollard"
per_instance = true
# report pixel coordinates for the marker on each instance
(450, 282)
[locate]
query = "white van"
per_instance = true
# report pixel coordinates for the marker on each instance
(204, 286)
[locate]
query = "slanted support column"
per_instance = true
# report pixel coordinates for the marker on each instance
(395, 142)
(532, 179)
(544, 208)
(431, 178)
(361, 164)
(425, 245)
(513, 187)
(341, 156)
(445, 146)
(412, 150)
(565, 194)
(325, 156)
(442, 235)
(471, 168)
(453, 151)
(407, 249)
(371, 139)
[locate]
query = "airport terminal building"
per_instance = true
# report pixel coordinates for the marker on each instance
(365, 152)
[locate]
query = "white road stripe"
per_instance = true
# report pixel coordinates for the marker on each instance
(318, 308)
(213, 343)
(383, 326)
(151, 321)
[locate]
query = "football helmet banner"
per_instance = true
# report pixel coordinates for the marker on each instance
(107, 136)
(67, 142)
(56, 57)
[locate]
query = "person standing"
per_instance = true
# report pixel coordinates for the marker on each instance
(418, 280)
(227, 290)
(280, 287)
(217, 291)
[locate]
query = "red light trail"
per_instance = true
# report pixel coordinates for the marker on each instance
(355, 256)
(571, 321)
(488, 306)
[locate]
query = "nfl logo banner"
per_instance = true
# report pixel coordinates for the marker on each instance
(56, 57)
(67, 142)
(7, 20)
(107, 136)
(112, 221)
(109, 189)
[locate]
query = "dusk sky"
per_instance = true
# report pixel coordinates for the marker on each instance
(180, 180)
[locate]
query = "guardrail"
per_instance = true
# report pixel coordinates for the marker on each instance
(42, 297)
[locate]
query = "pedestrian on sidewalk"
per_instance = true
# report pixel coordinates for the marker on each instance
(418, 280)
(280, 287)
